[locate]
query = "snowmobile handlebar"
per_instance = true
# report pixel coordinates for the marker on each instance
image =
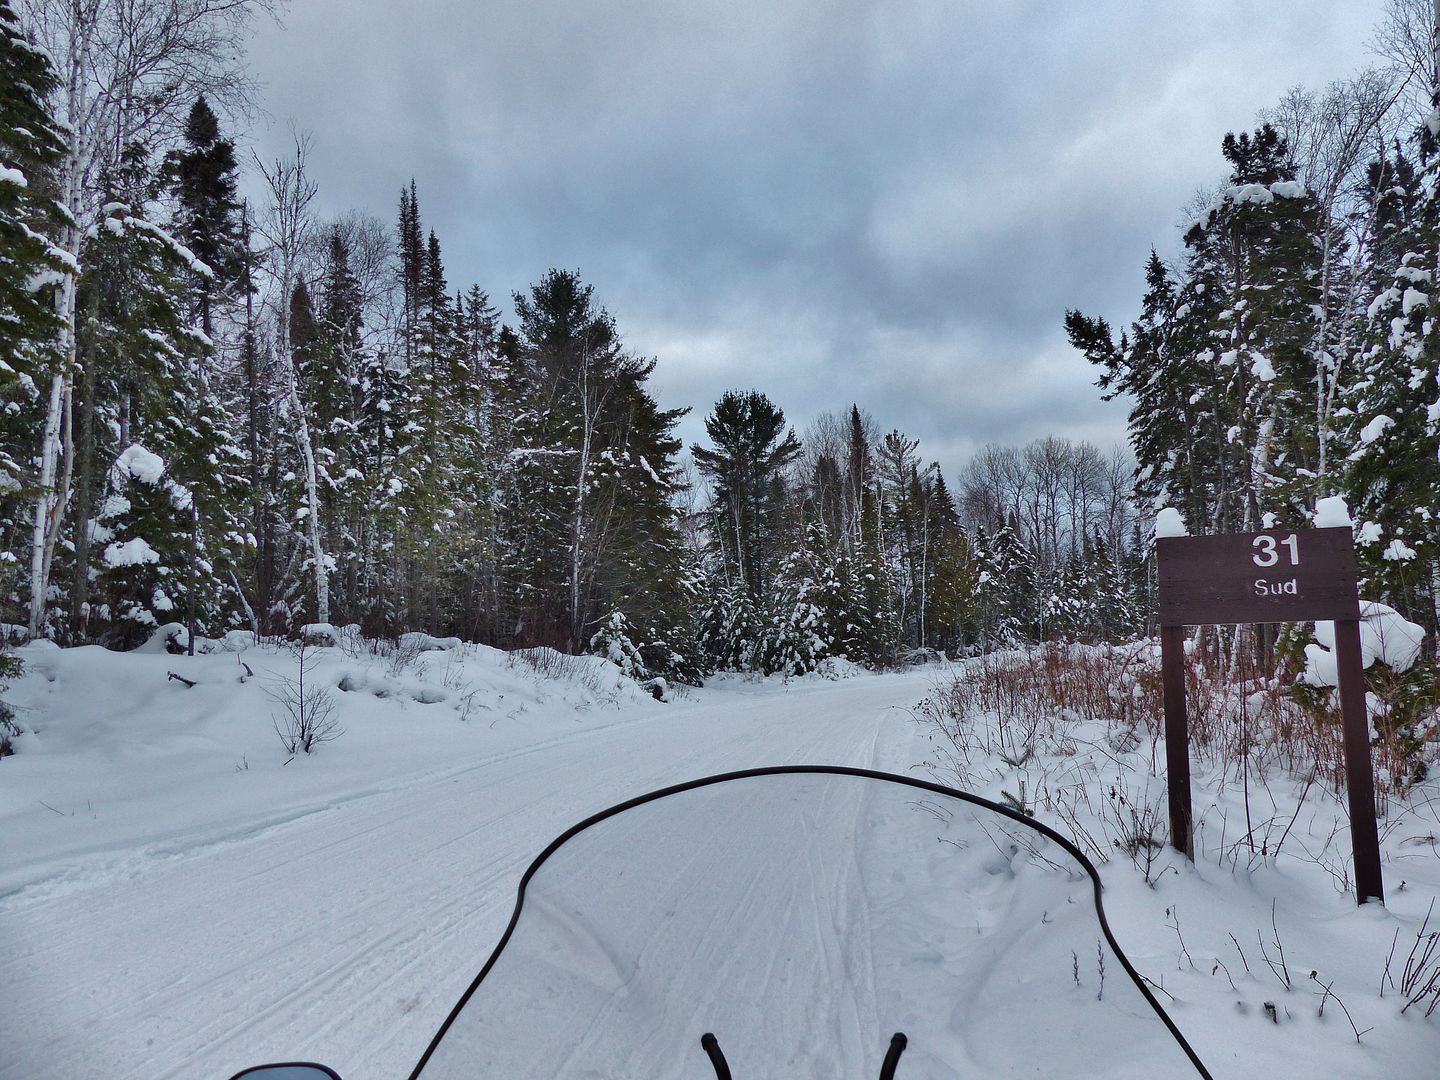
(711, 1046)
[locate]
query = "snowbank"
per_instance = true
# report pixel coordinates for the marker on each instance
(1271, 873)
(1385, 635)
(122, 734)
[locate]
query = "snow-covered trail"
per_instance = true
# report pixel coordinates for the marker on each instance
(346, 933)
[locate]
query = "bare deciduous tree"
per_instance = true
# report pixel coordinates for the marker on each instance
(287, 229)
(1405, 39)
(1332, 137)
(1060, 493)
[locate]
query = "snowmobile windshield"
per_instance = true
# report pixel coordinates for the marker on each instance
(803, 917)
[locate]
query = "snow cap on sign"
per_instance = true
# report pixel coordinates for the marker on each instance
(1332, 513)
(1168, 522)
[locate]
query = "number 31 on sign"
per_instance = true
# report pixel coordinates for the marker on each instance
(1269, 553)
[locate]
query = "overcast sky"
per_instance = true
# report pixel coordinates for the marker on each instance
(884, 201)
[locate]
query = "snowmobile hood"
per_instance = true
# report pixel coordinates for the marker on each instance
(798, 919)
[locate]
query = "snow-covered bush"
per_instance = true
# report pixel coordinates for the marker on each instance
(729, 629)
(10, 668)
(144, 536)
(800, 632)
(674, 655)
(615, 641)
(798, 635)
(796, 640)
(1402, 689)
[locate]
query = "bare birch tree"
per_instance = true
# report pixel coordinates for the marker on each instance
(287, 229)
(1405, 39)
(1332, 137)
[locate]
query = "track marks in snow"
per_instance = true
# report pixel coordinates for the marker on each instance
(344, 931)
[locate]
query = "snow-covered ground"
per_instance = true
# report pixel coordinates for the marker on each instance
(176, 901)
(178, 898)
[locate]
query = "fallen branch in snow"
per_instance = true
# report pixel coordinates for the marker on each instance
(1281, 971)
(1157, 986)
(180, 679)
(1330, 993)
(1421, 978)
(1242, 954)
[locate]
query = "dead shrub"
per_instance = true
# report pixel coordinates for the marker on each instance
(307, 711)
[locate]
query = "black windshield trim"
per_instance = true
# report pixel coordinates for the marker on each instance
(822, 770)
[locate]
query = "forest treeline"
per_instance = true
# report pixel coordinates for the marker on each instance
(1290, 352)
(243, 415)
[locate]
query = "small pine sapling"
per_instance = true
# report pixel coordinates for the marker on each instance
(615, 641)
(307, 711)
(10, 668)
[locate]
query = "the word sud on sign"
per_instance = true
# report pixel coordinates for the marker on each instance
(1279, 575)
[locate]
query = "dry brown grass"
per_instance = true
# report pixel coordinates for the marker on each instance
(1246, 723)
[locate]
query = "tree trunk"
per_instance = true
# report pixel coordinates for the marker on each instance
(51, 500)
(85, 485)
(312, 498)
(46, 506)
(577, 518)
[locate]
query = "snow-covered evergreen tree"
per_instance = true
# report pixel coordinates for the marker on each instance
(672, 647)
(797, 633)
(144, 535)
(615, 641)
(871, 634)
(30, 268)
(1164, 366)
(203, 177)
(1220, 367)
(587, 485)
(1256, 248)
(729, 628)
(746, 469)
(1391, 418)
(1005, 590)
(145, 384)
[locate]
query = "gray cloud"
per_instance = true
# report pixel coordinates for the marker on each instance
(889, 201)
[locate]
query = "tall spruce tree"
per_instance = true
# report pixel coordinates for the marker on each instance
(1256, 246)
(143, 394)
(203, 178)
(1162, 365)
(746, 470)
(587, 498)
(1220, 366)
(411, 270)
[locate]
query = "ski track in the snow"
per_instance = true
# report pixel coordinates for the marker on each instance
(360, 922)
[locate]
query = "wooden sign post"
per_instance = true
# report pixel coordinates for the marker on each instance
(1274, 576)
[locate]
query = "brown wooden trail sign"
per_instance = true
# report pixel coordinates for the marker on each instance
(1279, 575)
